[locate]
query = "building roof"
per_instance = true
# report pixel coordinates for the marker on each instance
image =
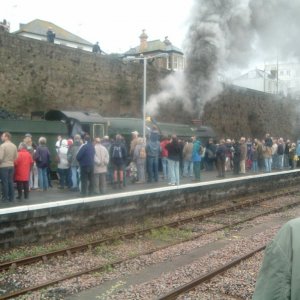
(154, 46)
(254, 74)
(83, 117)
(40, 27)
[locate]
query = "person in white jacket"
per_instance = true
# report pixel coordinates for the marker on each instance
(100, 167)
(63, 165)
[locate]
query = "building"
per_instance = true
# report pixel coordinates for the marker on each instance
(4, 25)
(260, 80)
(288, 74)
(37, 29)
(174, 59)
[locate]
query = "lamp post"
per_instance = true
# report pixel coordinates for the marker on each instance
(144, 99)
(145, 60)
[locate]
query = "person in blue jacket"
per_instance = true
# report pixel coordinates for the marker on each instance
(85, 157)
(196, 157)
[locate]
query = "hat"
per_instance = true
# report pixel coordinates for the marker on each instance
(135, 132)
(28, 135)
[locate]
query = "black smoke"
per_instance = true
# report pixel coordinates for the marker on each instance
(228, 34)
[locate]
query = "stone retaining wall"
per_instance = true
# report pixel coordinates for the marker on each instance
(49, 221)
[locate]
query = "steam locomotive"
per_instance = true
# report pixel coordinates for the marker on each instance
(68, 123)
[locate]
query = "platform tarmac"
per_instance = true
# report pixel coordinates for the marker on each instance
(55, 194)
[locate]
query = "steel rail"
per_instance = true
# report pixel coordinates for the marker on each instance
(69, 250)
(208, 276)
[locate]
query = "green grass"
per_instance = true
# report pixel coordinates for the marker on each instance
(168, 234)
(106, 252)
(22, 252)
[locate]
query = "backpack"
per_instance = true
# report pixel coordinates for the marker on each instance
(210, 154)
(142, 153)
(117, 151)
(280, 149)
(201, 150)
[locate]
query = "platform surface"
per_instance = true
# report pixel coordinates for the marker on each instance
(56, 197)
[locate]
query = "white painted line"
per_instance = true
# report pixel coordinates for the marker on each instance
(125, 194)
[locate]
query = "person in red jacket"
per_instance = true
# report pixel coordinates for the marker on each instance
(23, 165)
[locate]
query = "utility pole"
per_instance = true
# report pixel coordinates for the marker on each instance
(277, 76)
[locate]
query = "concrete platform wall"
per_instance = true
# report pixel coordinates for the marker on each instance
(62, 219)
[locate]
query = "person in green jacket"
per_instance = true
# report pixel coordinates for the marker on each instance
(279, 276)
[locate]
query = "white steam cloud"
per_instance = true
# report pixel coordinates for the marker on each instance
(227, 34)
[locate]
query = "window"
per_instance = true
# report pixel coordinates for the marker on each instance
(175, 62)
(169, 62)
(98, 130)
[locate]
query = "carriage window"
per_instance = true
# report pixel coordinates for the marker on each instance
(98, 130)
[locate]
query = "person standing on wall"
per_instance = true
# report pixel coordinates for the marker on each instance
(96, 48)
(50, 35)
(8, 154)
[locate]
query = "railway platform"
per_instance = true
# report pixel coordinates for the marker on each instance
(57, 214)
(54, 194)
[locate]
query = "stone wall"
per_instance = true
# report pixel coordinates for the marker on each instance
(35, 75)
(242, 112)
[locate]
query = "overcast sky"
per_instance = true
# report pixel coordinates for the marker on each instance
(116, 24)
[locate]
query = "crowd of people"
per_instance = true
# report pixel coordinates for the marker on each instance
(87, 166)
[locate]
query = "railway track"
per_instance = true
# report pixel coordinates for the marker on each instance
(69, 251)
(208, 276)
(108, 240)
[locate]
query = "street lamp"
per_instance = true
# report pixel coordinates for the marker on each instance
(145, 60)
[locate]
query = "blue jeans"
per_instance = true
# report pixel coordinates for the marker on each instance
(280, 161)
(152, 168)
(43, 178)
(197, 168)
(7, 178)
(254, 166)
(74, 171)
(268, 164)
(188, 168)
(286, 161)
(63, 177)
(174, 171)
(275, 161)
(164, 162)
(87, 180)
